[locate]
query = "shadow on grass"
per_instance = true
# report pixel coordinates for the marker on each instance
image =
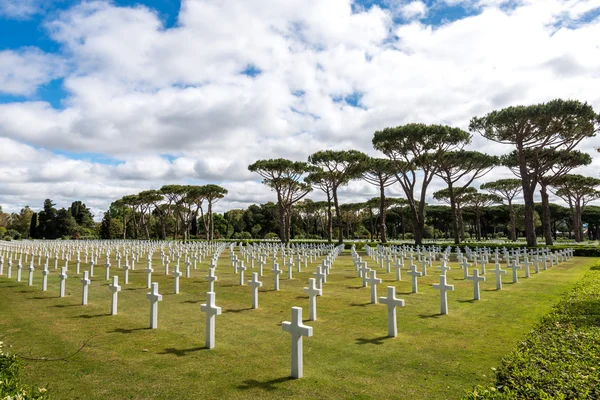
(138, 288)
(467, 301)
(376, 341)
(269, 385)
(595, 268)
(38, 298)
(191, 301)
(64, 305)
(88, 316)
(359, 304)
(182, 352)
(301, 297)
(127, 331)
(238, 310)
(429, 315)
(354, 287)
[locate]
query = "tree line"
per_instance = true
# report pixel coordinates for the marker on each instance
(542, 137)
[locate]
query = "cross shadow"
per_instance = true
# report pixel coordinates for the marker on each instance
(137, 288)
(127, 331)
(429, 315)
(359, 305)
(490, 290)
(191, 301)
(182, 352)
(301, 297)
(354, 287)
(467, 301)
(239, 310)
(88, 316)
(376, 341)
(406, 293)
(38, 298)
(265, 385)
(64, 305)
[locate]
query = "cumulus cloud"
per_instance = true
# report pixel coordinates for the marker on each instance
(20, 9)
(180, 105)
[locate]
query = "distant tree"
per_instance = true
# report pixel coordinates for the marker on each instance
(33, 226)
(380, 172)
(420, 147)
(324, 180)
(458, 169)
(105, 231)
(548, 166)
(340, 168)
(508, 189)
(577, 191)
(285, 178)
(556, 125)
(65, 223)
(460, 197)
(478, 202)
(212, 194)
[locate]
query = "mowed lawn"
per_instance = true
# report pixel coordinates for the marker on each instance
(349, 355)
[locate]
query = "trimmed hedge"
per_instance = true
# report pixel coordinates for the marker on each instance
(10, 384)
(560, 358)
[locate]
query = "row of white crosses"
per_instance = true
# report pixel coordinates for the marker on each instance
(295, 327)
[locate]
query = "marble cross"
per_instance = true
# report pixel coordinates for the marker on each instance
(63, 278)
(85, 281)
(313, 291)
(476, 278)
(443, 287)
(254, 283)
(211, 278)
(392, 302)
(414, 274)
(115, 289)
(211, 311)
(499, 271)
(373, 281)
(297, 330)
(154, 298)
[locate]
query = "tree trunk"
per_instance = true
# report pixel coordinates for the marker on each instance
(371, 221)
(512, 231)
(578, 223)
(282, 229)
(454, 213)
(383, 227)
(329, 220)
(528, 192)
(547, 225)
(338, 216)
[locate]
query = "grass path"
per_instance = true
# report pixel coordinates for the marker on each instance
(434, 357)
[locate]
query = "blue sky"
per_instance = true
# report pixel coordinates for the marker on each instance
(118, 98)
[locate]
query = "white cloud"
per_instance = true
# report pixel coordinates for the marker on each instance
(20, 9)
(22, 72)
(173, 106)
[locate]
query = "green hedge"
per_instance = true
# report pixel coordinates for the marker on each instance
(560, 358)
(10, 384)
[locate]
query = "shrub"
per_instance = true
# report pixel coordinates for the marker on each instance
(10, 384)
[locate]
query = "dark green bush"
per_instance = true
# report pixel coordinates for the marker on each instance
(560, 358)
(10, 384)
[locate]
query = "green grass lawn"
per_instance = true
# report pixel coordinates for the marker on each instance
(349, 355)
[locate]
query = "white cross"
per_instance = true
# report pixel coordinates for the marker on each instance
(115, 289)
(154, 298)
(414, 274)
(211, 278)
(476, 279)
(276, 271)
(45, 273)
(149, 272)
(63, 278)
(514, 268)
(241, 270)
(126, 268)
(297, 329)
(255, 284)
(211, 311)
(498, 271)
(312, 292)
(373, 281)
(176, 275)
(443, 287)
(320, 278)
(85, 281)
(392, 302)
